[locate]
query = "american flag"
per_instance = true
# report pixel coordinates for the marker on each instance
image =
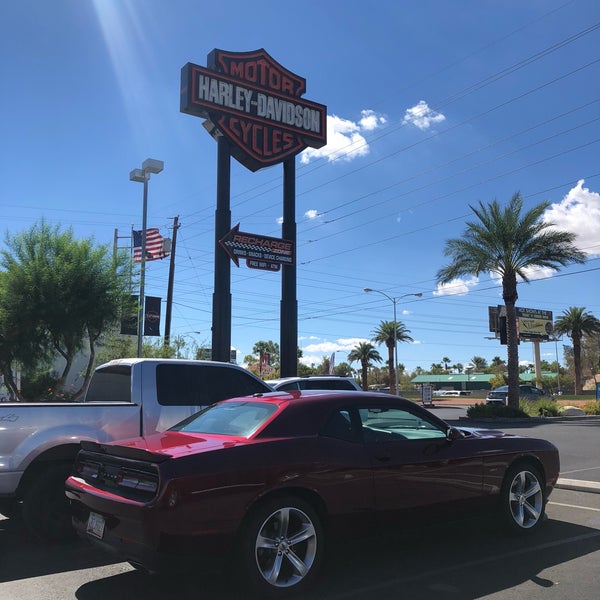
(154, 245)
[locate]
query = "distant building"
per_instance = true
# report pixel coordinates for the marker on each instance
(464, 382)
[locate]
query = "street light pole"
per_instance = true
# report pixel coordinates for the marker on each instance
(394, 301)
(150, 165)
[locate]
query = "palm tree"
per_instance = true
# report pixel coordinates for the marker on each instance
(576, 322)
(389, 333)
(508, 242)
(446, 361)
(365, 354)
(479, 363)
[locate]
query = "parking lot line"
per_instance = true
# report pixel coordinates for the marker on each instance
(578, 485)
(574, 506)
(363, 591)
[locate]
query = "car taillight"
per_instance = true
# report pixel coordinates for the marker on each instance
(137, 481)
(88, 470)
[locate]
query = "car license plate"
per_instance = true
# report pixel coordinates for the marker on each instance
(95, 525)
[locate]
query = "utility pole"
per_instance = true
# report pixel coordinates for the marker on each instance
(171, 278)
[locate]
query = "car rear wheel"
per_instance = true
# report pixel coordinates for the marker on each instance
(523, 501)
(282, 546)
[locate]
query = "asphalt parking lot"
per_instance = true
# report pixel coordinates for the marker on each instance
(466, 560)
(460, 560)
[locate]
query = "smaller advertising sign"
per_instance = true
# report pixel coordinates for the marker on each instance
(260, 251)
(533, 323)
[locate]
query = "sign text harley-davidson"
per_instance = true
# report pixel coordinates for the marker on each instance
(256, 104)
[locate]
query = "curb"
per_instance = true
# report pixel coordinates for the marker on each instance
(578, 485)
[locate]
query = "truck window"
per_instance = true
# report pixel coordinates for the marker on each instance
(110, 384)
(201, 385)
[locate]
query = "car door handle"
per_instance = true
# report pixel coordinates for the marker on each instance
(383, 458)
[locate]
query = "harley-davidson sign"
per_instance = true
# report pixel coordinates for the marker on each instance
(256, 103)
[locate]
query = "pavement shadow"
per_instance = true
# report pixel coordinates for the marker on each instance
(462, 560)
(22, 556)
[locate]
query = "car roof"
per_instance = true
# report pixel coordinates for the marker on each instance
(303, 378)
(305, 411)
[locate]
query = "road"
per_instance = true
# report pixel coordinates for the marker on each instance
(464, 560)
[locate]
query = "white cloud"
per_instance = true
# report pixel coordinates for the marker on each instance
(371, 120)
(579, 212)
(314, 353)
(456, 287)
(421, 116)
(344, 138)
(311, 214)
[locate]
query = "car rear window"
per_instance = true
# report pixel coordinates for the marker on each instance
(110, 384)
(327, 384)
(229, 418)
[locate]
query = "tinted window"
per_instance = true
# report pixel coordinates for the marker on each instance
(287, 387)
(110, 384)
(382, 424)
(327, 384)
(201, 385)
(339, 426)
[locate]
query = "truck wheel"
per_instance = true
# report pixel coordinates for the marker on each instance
(10, 508)
(46, 509)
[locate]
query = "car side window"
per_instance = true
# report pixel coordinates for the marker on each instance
(202, 385)
(339, 425)
(383, 424)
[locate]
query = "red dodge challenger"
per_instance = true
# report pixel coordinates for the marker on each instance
(268, 478)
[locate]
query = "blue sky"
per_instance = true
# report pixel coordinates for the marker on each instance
(432, 106)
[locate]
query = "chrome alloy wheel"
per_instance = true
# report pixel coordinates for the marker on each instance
(286, 547)
(526, 499)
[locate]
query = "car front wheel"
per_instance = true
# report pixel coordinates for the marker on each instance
(282, 545)
(523, 499)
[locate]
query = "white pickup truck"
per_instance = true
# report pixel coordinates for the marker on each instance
(126, 398)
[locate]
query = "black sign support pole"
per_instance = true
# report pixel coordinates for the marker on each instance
(289, 303)
(221, 323)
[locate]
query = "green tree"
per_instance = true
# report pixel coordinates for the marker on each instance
(366, 355)
(58, 295)
(479, 363)
(508, 242)
(575, 322)
(446, 361)
(388, 333)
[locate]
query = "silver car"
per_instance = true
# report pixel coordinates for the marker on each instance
(287, 384)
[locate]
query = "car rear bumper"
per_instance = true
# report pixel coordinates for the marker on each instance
(143, 541)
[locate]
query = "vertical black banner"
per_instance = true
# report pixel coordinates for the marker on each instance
(129, 316)
(152, 316)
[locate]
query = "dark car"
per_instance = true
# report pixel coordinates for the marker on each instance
(268, 478)
(499, 395)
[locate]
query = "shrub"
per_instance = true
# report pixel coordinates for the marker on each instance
(495, 410)
(591, 408)
(545, 407)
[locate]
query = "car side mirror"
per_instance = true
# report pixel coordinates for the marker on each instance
(454, 434)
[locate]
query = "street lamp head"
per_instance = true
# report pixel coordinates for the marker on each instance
(368, 290)
(137, 175)
(151, 165)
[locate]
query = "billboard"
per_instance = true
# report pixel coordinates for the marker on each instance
(533, 323)
(256, 103)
